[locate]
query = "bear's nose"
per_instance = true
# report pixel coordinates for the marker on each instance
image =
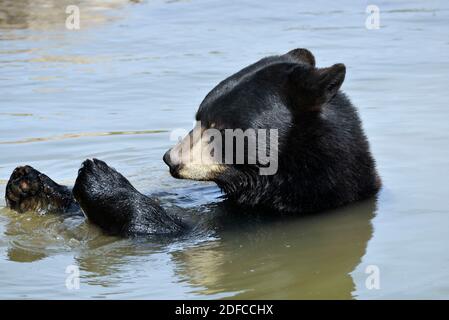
(167, 158)
(174, 167)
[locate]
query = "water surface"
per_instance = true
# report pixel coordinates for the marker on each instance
(138, 70)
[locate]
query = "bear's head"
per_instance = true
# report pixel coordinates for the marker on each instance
(259, 132)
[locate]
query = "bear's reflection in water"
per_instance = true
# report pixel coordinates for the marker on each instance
(281, 257)
(233, 253)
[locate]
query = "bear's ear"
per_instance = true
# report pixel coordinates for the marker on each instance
(310, 88)
(302, 56)
(330, 80)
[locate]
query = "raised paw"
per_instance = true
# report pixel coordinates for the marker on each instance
(96, 180)
(110, 201)
(31, 190)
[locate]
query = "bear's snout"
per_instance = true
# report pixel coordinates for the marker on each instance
(173, 166)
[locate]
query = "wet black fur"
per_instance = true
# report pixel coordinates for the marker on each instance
(324, 157)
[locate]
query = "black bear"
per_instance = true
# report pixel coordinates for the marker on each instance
(321, 157)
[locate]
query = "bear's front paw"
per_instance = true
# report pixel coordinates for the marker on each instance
(97, 181)
(105, 196)
(110, 201)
